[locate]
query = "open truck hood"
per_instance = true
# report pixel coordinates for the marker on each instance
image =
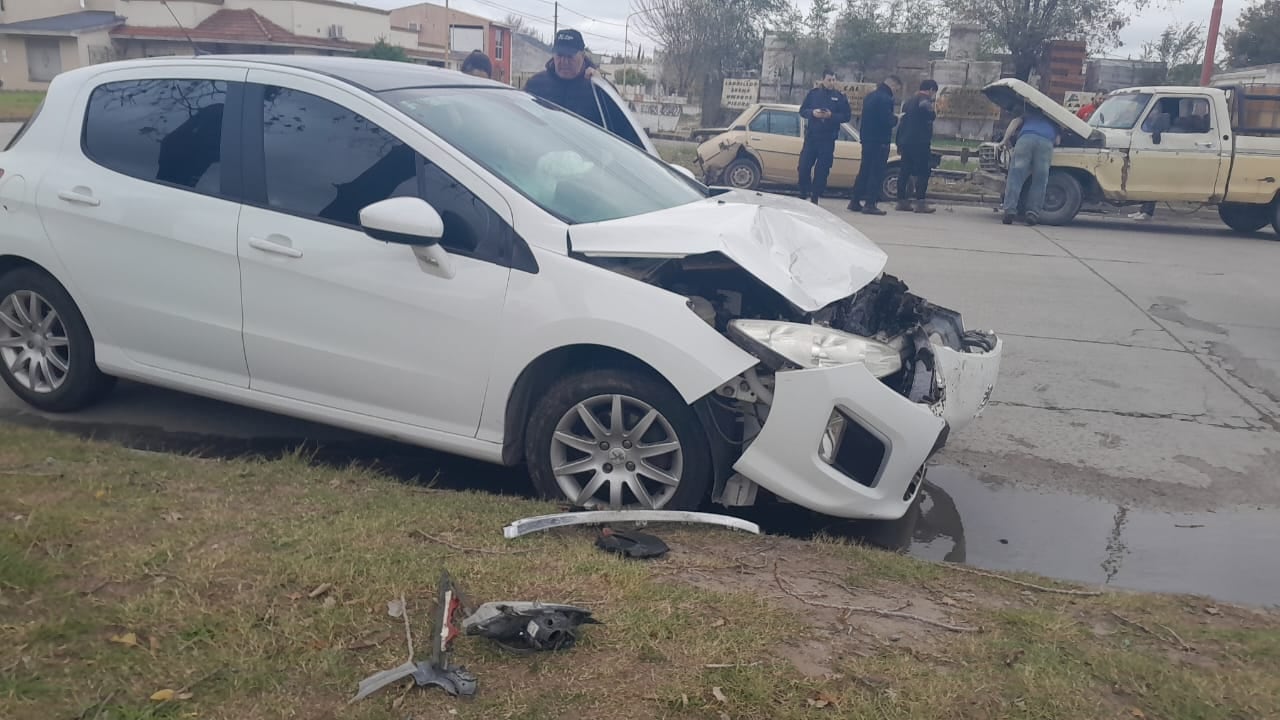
(806, 254)
(1011, 93)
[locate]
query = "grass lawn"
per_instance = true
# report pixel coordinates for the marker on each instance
(16, 106)
(123, 574)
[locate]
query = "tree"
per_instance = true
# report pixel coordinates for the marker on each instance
(1253, 41)
(1026, 27)
(520, 26)
(705, 41)
(632, 76)
(1180, 48)
(868, 29)
(383, 50)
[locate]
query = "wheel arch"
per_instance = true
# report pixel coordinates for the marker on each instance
(544, 370)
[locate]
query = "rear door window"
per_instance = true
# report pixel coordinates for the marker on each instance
(776, 122)
(163, 131)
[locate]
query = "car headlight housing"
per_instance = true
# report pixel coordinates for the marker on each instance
(815, 346)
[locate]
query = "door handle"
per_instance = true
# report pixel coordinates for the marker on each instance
(79, 196)
(1204, 144)
(277, 245)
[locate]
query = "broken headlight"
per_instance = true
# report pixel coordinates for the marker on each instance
(814, 346)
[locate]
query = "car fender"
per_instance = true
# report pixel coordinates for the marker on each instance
(573, 303)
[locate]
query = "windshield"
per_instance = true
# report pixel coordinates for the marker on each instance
(1120, 112)
(571, 168)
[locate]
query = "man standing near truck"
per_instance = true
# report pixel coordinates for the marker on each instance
(915, 145)
(878, 121)
(825, 109)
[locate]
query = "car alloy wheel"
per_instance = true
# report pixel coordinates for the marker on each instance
(614, 450)
(34, 345)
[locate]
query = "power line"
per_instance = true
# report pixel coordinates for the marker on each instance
(582, 15)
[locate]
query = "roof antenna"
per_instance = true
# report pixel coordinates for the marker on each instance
(195, 49)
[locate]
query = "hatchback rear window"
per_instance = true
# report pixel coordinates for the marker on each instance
(166, 131)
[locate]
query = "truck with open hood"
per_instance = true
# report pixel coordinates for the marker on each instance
(1217, 146)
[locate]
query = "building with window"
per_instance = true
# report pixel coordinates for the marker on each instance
(460, 33)
(41, 38)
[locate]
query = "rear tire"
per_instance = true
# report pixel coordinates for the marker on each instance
(889, 187)
(46, 350)
(567, 457)
(1246, 219)
(1275, 216)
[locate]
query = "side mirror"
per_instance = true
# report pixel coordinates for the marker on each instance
(403, 221)
(413, 222)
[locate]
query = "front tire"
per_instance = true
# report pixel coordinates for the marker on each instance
(743, 174)
(1062, 199)
(1245, 219)
(46, 351)
(615, 439)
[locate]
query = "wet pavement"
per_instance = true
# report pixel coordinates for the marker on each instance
(1229, 554)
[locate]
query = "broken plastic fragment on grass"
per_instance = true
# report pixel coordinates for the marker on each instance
(395, 608)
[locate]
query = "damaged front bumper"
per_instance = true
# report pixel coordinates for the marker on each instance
(839, 441)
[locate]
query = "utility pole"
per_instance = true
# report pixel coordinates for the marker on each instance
(557, 19)
(1211, 47)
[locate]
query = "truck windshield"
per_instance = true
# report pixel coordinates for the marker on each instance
(1120, 112)
(571, 168)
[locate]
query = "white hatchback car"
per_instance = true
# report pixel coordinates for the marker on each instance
(421, 255)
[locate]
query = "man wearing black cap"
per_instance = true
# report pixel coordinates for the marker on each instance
(567, 80)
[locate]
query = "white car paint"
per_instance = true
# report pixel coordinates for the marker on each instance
(315, 320)
(809, 256)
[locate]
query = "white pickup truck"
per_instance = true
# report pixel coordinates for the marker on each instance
(1216, 146)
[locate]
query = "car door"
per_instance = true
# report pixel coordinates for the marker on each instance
(141, 207)
(619, 120)
(1188, 161)
(775, 136)
(335, 318)
(848, 158)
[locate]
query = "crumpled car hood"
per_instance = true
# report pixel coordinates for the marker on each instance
(809, 256)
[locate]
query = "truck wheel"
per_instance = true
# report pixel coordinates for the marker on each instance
(1275, 216)
(1245, 218)
(1062, 199)
(743, 174)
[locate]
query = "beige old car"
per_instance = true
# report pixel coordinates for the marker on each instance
(762, 148)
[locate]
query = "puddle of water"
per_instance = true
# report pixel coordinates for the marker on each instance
(1230, 555)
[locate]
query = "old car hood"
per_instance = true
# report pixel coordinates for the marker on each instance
(809, 256)
(1011, 93)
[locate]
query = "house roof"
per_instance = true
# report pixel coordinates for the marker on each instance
(241, 27)
(69, 24)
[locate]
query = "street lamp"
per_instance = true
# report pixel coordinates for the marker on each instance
(626, 34)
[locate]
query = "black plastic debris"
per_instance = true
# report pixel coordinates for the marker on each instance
(526, 627)
(631, 544)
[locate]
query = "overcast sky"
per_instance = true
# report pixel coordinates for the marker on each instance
(603, 21)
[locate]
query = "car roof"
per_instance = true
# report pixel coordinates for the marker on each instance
(368, 74)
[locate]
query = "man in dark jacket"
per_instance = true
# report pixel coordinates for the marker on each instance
(915, 140)
(826, 109)
(567, 79)
(876, 131)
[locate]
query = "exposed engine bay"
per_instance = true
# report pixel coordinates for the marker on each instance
(719, 291)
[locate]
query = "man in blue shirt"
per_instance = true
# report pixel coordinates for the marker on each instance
(825, 109)
(1032, 154)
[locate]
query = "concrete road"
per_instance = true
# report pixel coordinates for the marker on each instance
(1142, 378)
